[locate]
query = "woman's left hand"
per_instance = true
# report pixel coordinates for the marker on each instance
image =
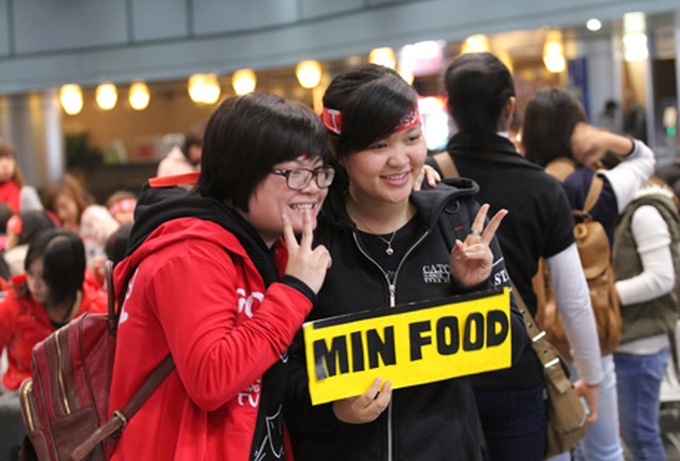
(472, 260)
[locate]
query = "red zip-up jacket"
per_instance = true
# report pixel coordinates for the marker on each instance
(24, 323)
(197, 294)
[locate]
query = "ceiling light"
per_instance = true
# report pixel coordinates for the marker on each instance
(308, 73)
(478, 43)
(139, 96)
(594, 24)
(71, 98)
(553, 52)
(383, 56)
(244, 81)
(106, 96)
(204, 88)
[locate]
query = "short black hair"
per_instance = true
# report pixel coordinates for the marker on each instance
(549, 120)
(373, 99)
(478, 86)
(63, 255)
(247, 135)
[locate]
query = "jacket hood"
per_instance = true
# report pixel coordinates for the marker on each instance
(162, 218)
(430, 202)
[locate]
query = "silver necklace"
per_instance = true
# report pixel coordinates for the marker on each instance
(388, 251)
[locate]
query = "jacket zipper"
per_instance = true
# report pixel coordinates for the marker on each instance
(62, 386)
(392, 288)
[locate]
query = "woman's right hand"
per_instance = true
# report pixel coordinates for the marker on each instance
(304, 263)
(365, 408)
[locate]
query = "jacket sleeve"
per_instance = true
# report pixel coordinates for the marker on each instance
(222, 333)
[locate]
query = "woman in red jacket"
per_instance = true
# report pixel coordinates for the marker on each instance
(214, 285)
(52, 292)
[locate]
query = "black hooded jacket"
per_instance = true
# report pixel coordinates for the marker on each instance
(430, 422)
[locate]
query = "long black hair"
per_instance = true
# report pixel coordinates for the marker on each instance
(63, 255)
(479, 86)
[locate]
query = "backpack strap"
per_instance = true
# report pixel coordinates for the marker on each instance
(593, 193)
(120, 418)
(446, 165)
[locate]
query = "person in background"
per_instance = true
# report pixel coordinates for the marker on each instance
(21, 230)
(382, 236)
(13, 190)
(117, 244)
(646, 258)
(214, 285)
(186, 158)
(77, 212)
(121, 204)
(609, 118)
(555, 125)
(481, 100)
(52, 292)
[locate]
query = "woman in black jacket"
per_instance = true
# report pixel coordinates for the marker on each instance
(393, 246)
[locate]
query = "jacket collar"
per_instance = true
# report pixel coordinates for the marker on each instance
(499, 150)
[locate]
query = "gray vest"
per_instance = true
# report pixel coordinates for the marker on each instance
(661, 314)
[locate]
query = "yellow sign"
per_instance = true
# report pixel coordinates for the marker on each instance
(408, 345)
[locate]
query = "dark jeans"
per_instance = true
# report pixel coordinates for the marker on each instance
(514, 423)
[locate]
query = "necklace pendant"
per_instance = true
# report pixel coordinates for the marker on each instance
(389, 251)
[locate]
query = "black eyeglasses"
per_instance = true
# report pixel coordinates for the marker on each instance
(299, 178)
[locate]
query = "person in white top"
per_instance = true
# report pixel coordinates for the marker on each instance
(645, 261)
(555, 125)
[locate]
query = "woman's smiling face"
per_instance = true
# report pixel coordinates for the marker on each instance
(273, 198)
(387, 170)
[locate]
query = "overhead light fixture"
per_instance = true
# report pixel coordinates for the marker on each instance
(383, 56)
(139, 96)
(478, 43)
(594, 24)
(204, 88)
(635, 37)
(71, 98)
(106, 96)
(244, 81)
(308, 73)
(553, 52)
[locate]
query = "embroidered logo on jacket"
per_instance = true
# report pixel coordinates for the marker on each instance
(436, 273)
(251, 394)
(245, 303)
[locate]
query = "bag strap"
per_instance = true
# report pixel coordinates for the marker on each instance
(120, 418)
(546, 352)
(445, 163)
(593, 193)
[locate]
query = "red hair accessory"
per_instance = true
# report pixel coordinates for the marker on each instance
(123, 206)
(15, 225)
(332, 118)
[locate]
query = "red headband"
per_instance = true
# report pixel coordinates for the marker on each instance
(332, 118)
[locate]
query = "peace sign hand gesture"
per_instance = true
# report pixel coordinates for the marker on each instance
(472, 260)
(304, 263)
